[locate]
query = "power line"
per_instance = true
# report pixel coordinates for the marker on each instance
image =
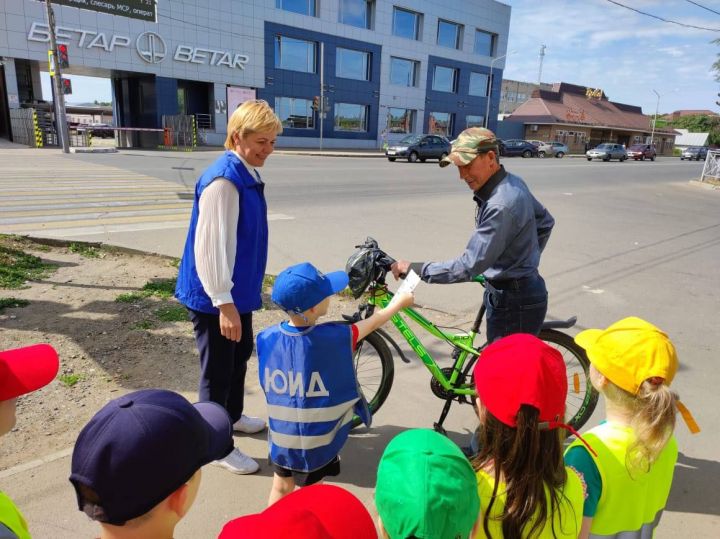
(664, 20)
(704, 7)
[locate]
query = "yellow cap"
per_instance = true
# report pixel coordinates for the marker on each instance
(629, 352)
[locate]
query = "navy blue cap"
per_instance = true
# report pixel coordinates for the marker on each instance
(302, 286)
(140, 448)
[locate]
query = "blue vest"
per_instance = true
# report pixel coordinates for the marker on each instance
(309, 382)
(252, 241)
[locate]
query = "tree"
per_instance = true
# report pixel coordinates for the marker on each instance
(701, 123)
(716, 65)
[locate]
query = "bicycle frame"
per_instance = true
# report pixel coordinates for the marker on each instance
(464, 343)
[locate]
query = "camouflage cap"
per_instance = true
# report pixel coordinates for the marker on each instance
(469, 144)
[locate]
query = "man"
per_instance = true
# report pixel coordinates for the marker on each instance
(511, 230)
(22, 371)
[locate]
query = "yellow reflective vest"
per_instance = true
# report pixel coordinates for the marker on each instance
(566, 522)
(11, 519)
(629, 507)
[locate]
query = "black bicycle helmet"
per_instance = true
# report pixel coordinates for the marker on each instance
(360, 268)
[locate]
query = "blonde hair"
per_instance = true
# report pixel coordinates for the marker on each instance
(253, 116)
(652, 419)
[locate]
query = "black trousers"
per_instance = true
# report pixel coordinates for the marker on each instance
(223, 363)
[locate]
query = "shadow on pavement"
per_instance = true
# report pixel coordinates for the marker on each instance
(694, 483)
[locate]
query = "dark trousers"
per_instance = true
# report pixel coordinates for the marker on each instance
(516, 306)
(223, 363)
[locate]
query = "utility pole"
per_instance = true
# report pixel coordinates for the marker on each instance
(542, 56)
(59, 97)
(321, 111)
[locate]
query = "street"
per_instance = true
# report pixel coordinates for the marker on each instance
(633, 238)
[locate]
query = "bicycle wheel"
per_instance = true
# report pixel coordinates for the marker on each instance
(582, 396)
(374, 370)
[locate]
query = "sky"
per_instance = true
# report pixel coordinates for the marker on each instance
(592, 43)
(598, 44)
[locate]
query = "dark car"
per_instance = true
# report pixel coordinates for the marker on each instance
(509, 148)
(98, 130)
(694, 152)
(640, 152)
(416, 148)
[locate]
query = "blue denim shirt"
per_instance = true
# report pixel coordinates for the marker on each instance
(511, 230)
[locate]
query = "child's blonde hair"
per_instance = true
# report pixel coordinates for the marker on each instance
(253, 116)
(652, 419)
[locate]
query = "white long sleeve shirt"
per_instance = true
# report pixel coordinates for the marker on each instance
(215, 237)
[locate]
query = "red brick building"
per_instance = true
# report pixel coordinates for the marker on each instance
(584, 117)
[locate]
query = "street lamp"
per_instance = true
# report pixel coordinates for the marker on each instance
(657, 107)
(490, 85)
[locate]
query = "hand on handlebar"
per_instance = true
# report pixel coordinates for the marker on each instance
(400, 268)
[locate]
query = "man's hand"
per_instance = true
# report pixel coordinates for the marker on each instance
(400, 268)
(230, 324)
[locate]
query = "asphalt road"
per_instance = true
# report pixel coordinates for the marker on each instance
(633, 238)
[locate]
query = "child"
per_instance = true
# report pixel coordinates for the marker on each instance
(307, 374)
(525, 490)
(628, 482)
(315, 512)
(136, 464)
(425, 488)
(22, 371)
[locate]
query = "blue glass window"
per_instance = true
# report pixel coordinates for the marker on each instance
(449, 34)
(474, 121)
(444, 79)
(304, 7)
(403, 72)
(401, 120)
(351, 64)
(406, 23)
(478, 84)
(295, 112)
(350, 117)
(295, 54)
(356, 13)
(441, 123)
(485, 43)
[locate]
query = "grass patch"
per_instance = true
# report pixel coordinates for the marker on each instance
(268, 281)
(87, 251)
(6, 303)
(174, 262)
(17, 267)
(172, 313)
(162, 288)
(143, 325)
(69, 380)
(130, 297)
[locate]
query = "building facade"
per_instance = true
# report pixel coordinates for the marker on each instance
(357, 73)
(514, 93)
(584, 117)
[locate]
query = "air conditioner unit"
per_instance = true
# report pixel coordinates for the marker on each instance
(533, 127)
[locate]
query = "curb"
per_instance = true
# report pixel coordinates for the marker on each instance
(93, 150)
(320, 153)
(704, 185)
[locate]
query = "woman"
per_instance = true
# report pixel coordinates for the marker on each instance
(525, 489)
(223, 265)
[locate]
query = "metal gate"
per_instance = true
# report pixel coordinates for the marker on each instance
(180, 132)
(711, 170)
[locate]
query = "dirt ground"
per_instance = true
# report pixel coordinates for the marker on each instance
(106, 347)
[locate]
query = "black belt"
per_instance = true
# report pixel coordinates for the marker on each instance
(511, 284)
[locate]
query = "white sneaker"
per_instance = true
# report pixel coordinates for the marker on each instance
(238, 462)
(249, 424)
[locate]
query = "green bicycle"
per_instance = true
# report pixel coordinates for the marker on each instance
(373, 357)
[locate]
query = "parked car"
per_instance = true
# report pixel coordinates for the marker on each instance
(558, 149)
(419, 148)
(98, 130)
(607, 151)
(694, 152)
(640, 152)
(509, 148)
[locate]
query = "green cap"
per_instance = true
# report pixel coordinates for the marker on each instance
(469, 144)
(426, 488)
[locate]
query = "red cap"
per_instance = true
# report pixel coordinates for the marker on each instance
(23, 370)
(521, 369)
(314, 512)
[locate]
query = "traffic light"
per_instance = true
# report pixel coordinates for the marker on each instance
(66, 86)
(63, 59)
(316, 103)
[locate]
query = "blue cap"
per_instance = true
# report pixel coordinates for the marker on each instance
(140, 448)
(302, 286)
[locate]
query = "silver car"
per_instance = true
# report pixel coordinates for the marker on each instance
(607, 151)
(558, 149)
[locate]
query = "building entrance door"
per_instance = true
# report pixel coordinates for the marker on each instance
(4, 108)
